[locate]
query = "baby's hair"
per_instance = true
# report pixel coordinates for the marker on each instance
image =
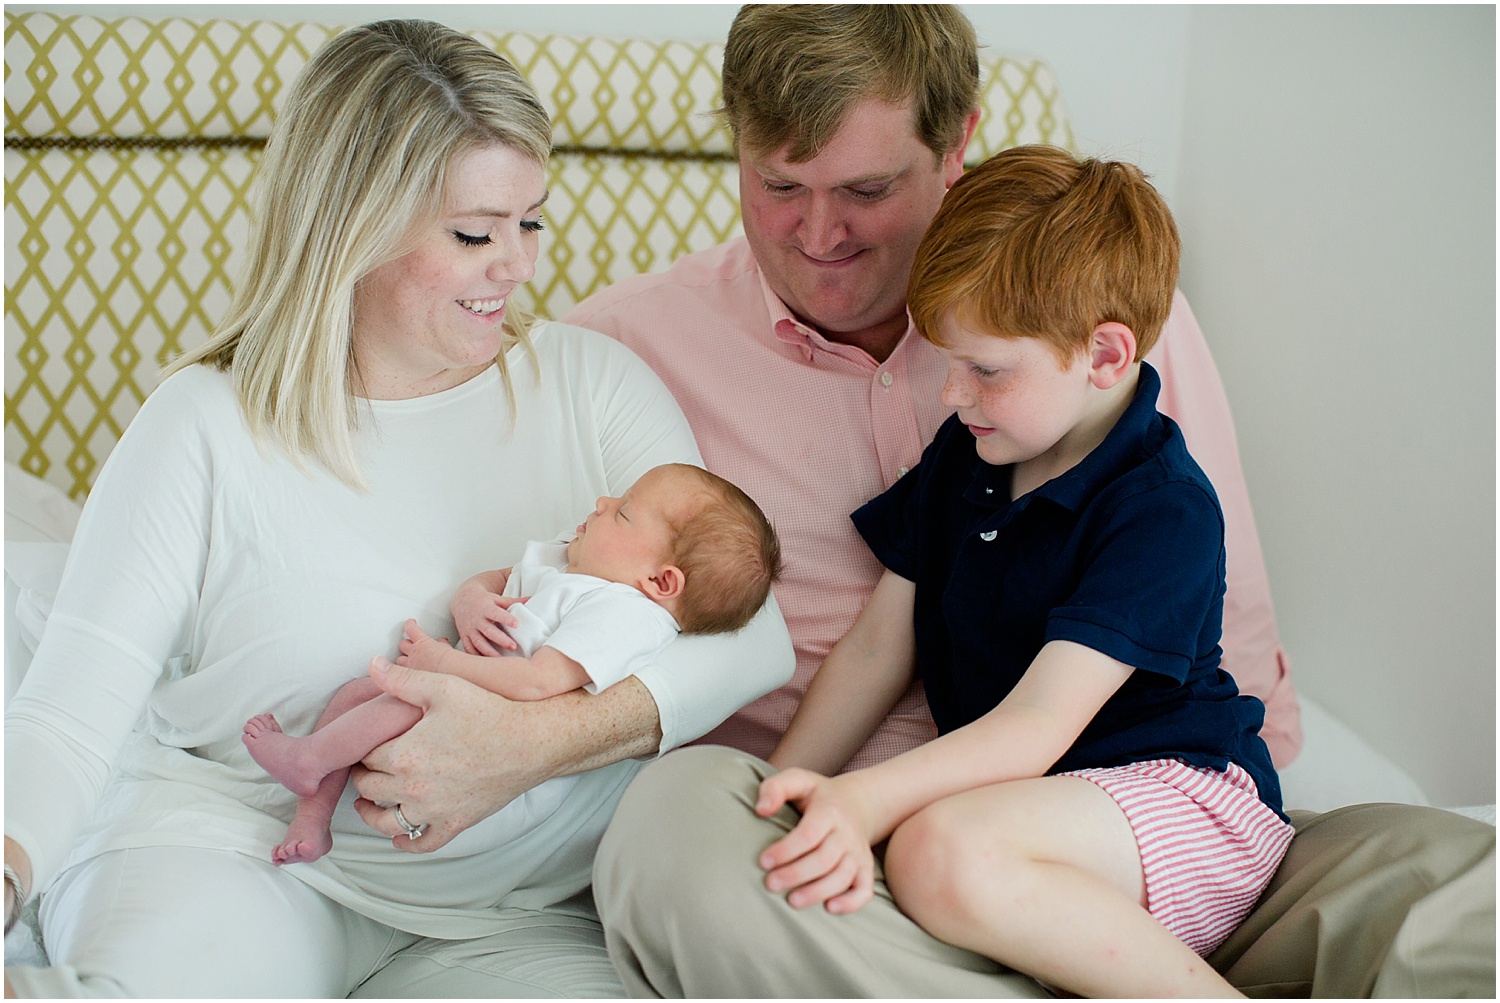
(1036, 243)
(728, 553)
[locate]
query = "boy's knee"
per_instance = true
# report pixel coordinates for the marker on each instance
(931, 863)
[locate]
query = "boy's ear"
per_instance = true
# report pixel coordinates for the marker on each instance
(667, 583)
(1111, 354)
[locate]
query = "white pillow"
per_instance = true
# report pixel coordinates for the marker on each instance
(32, 573)
(36, 510)
(1337, 767)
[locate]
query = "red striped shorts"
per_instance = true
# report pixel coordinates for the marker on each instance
(1208, 843)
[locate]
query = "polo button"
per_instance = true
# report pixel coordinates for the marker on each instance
(987, 537)
(886, 379)
(989, 491)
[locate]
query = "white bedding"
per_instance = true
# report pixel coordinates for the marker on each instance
(1336, 766)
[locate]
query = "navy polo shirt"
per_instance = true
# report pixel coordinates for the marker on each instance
(1124, 553)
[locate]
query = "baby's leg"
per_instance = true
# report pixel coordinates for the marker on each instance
(357, 719)
(1044, 876)
(308, 835)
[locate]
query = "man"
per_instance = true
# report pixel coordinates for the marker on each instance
(792, 356)
(791, 353)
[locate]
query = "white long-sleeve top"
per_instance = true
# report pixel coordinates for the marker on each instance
(213, 578)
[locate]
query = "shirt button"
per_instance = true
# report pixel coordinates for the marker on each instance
(987, 537)
(903, 471)
(989, 491)
(886, 379)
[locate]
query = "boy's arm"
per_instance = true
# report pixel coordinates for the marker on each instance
(1022, 737)
(857, 684)
(842, 817)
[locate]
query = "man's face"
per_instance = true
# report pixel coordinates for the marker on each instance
(835, 236)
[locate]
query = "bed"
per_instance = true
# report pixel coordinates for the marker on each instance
(129, 147)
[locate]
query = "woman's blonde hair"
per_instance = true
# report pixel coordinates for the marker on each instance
(356, 166)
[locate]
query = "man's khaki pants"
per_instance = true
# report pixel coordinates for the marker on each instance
(1387, 900)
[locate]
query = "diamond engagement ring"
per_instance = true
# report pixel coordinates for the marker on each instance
(412, 831)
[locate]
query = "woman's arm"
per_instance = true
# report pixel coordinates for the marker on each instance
(506, 748)
(124, 608)
(857, 684)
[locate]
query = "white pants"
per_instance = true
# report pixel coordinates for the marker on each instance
(186, 922)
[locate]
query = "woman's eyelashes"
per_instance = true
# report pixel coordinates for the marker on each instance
(484, 239)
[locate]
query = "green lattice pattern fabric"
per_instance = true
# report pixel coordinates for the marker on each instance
(119, 258)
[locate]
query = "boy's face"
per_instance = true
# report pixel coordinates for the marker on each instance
(629, 539)
(1018, 402)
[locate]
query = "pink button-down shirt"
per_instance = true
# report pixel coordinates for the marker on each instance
(812, 429)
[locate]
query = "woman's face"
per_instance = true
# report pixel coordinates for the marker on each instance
(431, 319)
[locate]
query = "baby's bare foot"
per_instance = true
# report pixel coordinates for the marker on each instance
(305, 842)
(281, 756)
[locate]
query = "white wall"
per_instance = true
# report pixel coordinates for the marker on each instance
(1336, 197)
(1332, 170)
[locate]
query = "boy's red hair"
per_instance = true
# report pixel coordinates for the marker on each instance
(1035, 243)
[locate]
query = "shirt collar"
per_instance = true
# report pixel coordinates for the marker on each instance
(1132, 436)
(807, 340)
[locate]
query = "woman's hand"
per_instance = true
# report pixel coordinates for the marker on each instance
(482, 621)
(827, 857)
(474, 751)
(17, 860)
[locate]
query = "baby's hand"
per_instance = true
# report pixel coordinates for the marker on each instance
(482, 620)
(827, 857)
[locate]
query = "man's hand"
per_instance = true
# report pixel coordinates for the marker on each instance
(474, 751)
(827, 857)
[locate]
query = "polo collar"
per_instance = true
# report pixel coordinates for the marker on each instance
(1134, 435)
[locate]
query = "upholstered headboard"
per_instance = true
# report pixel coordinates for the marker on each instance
(129, 146)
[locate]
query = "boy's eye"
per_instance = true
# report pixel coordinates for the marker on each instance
(868, 194)
(472, 239)
(777, 187)
(979, 370)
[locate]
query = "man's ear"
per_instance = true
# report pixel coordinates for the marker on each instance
(667, 583)
(1111, 354)
(953, 160)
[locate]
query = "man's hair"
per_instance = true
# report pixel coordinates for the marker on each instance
(356, 166)
(1036, 243)
(793, 72)
(728, 553)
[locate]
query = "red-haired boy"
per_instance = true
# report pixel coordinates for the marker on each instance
(1099, 809)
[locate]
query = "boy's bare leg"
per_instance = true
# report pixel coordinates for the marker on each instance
(1043, 876)
(357, 719)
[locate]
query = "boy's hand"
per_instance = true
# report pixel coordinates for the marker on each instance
(482, 621)
(827, 857)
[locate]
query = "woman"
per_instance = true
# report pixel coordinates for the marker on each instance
(369, 427)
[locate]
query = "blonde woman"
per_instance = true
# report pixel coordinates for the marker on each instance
(369, 425)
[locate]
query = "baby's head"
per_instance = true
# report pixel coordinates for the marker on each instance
(690, 540)
(1035, 243)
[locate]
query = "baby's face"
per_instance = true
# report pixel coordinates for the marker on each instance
(628, 539)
